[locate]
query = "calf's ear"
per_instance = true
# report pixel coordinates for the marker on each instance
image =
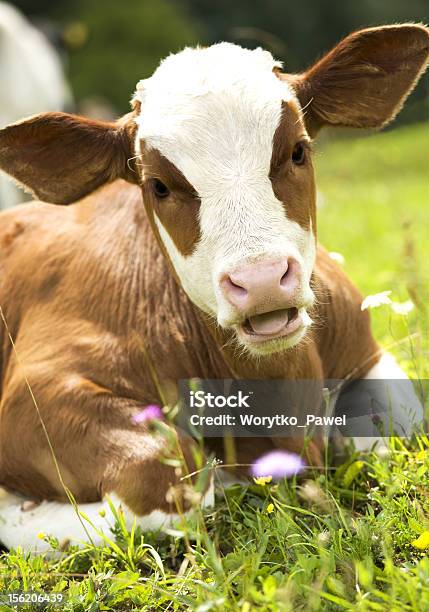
(365, 79)
(61, 158)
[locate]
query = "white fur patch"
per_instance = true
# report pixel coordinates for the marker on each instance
(19, 527)
(386, 368)
(408, 408)
(213, 113)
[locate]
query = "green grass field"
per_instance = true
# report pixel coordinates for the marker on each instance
(351, 538)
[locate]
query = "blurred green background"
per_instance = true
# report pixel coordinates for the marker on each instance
(109, 45)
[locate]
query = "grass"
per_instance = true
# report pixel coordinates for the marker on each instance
(374, 211)
(351, 538)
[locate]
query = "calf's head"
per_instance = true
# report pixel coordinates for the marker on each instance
(220, 141)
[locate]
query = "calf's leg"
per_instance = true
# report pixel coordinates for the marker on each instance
(142, 471)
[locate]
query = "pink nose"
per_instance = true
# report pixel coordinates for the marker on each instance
(263, 286)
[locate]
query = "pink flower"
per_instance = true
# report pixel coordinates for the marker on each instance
(278, 464)
(150, 413)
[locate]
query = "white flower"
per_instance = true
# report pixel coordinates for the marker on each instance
(337, 257)
(373, 301)
(402, 308)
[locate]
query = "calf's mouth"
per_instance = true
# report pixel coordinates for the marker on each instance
(272, 324)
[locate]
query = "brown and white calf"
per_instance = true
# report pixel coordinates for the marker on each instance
(188, 250)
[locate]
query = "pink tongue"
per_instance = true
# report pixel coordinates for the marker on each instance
(269, 322)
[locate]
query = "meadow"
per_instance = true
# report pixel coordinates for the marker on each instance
(353, 537)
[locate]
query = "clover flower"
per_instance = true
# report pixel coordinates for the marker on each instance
(150, 413)
(278, 464)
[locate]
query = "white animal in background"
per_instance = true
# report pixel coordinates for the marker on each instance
(31, 80)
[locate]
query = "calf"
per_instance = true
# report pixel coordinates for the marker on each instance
(188, 249)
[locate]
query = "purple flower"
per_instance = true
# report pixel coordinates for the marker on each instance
(149, 413)
(278, 464)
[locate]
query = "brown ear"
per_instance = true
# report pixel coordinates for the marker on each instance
(365, 79)
(60, 157)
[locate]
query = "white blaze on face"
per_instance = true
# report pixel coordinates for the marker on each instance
(213, 113)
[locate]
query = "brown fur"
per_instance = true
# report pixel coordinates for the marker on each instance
(179, 211)
(95, 309)
(365, 80)
(84, 341)
(67, 147)
(293, 185)
(82, 332)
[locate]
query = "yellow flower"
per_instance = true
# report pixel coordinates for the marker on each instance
(263, 480)
(421, 455)
(270, 508)
(422, 541)
(41, 535)
(102, 513)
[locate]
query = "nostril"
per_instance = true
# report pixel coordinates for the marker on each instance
(238, 289)
(291, 275)
(284, 279)
(233, 289)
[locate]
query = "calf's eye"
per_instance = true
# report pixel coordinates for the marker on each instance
(298, 154)
(159, 189)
